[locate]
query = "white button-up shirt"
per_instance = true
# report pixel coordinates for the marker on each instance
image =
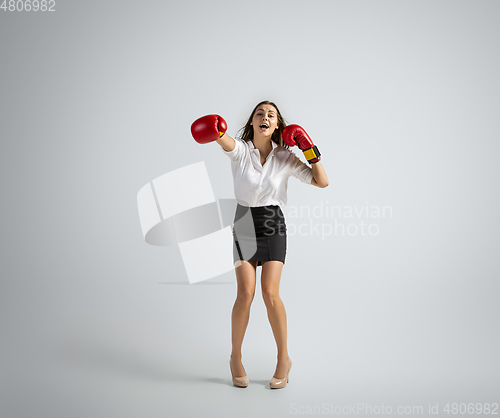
(261, 185)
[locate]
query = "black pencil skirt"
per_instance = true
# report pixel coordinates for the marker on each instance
(259, 234)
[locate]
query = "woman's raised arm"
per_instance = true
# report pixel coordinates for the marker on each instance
(226, 142)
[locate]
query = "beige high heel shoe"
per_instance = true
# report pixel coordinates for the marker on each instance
(276, 383)
(241, 381)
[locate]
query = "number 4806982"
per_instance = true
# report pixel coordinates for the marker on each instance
(28, 5)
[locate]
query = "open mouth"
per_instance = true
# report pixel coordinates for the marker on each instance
(264, 126)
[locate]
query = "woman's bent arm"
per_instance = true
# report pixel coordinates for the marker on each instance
(319, 176)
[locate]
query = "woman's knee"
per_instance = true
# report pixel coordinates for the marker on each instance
(270, 296)
(246, 276)
(246, 295)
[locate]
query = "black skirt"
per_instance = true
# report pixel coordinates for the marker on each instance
(259, 234)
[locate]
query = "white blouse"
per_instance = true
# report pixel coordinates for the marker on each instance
(257, 185)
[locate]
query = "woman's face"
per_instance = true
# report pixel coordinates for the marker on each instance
(265, 120)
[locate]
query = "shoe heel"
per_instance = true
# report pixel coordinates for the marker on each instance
(242, 381)
(276, 383)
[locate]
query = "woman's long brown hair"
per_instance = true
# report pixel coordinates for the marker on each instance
(277, 134)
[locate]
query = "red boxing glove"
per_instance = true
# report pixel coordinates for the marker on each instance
(295, 135)
(208, 128)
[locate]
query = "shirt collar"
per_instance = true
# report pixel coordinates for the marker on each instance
(274, 144)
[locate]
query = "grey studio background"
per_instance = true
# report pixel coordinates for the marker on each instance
(401, 98)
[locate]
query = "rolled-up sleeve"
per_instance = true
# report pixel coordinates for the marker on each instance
(301, 170)
(237, 152)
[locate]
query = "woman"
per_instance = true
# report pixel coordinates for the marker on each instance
(261, 163)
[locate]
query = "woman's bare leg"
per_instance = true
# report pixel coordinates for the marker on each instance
(271, 275)
(245, 276)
